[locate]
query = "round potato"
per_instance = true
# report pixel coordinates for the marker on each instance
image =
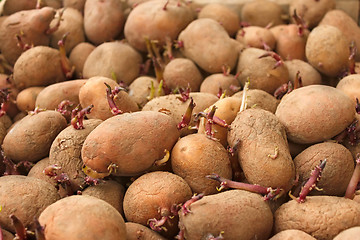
(292, 234)
(136, 231)
(348, 234)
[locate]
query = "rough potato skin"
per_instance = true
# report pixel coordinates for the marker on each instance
(338, 171)
(261, 13)
(241, 215)
(323, 217)
(292, 234)
(348, 234)
(132, 141)
(31, 138)
(26, 197)
(152, 195)
(260, 134)
(85, 217)
(135, 231)
(37, 171)
(315, 113)
(195, 156)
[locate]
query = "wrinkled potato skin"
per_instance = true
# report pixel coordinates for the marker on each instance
(26, 197)
(309, 75)
(257, 98)
(303, 113)
(338, 171)
(292, 234)
(260, 134)
(103, 20)
(25, 100)
(31, 138)
(261, 13)
(337, 212)
(348, 234)
(94, 92)
(78, 56)
(137, 231)
(227, 82)
(133, 136)
(92, 216)
(194, 157)
(239, 214)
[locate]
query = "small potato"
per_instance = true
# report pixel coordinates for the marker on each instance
(31, 138)
(25, 100)
(194, 157)
(292, 234)
(78, 56)
(234, 214)
(305, 110)
(85, 217)
(140, 90)
(256, 98)
(348, 234)
(257, 37)
(263, 151)
(309, 75)
(219, 83)
(25, 197)
(323, 217)
(135, 231)
(262, 13)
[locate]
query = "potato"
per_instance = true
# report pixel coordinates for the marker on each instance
(176, 108)
(350, 85)
(309, 75)
(152, 196)
(257, 37)
(305, 110)
(31, 25)
(292, 234)
(113, 60)
(348, 234)
(140, 139)
(256, 98)
(135, 231)
(13, 6)
(37, 171)
(103, 20)
(207, 35)
(223, 14)
(25, 100)
(235, 214)
(261, 13)
(94, 92)
(78, 56)
(31, 138)
(25, 197)
(219, 83)
(338, 171)
(140, 89)
(3, 131)
(327, 50)
(109, 191)
(72, 23)
(311, 11)
(7, 235)
(181, 73)
(323, 217)
(77, 4)
(44, 58)
(263, 151)
(194, 157)
(86, 217)
(261, 72)
(156, 20)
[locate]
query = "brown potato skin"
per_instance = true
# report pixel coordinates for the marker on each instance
(92, 216)
(260, 133)
(350, 85)
(292, 234)
(255, 36)
(238, 214)
(257, 98)
(227, 82)
(348, 234)
(25, 100)
(140, 89)
(133, 136)
(7, 235)
(37, 171)
(195, 156)
(152, 195)
(136, 231)
(77, 4)
(323, 217)
(305, 110)
(261, 13)
(31, 138)
(309, 75)
(26, 197)
(78, 56)
(338, 171)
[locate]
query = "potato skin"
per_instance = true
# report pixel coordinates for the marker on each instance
(93, 215)
(26, 197)
(227, 82)
(348, 234)
(257, 98)
(309, 75)
(241, 215)
(350, 85)
(261, 13)
(132, 141)
(25, 100)
(305, 111)
(195, 156)
(323, 217)
(292, 234)
(31, 138)
(260, 134)
(135, 231)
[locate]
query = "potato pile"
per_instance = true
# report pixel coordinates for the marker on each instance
(170, 119)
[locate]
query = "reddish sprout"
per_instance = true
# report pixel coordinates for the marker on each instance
(66, 66)
(298, 81)
(77, 116)
(186, 118)
(51, 170)
(21, 168)
(283, 89)
(233, 150)
(351, 131)
(168, 48)
(226, 69)
(268, 192)
(220, 93)
(166, 4)
(158, 225)
(354, 181)
(20, 42)
(57, 25)
(186, 207)
(311, 182)
(265, 45)
(353, 50)
(179, 44)
(357, 108)
(210, 120)
(39, 230)
(110, 96)
(63, 107)
(1, 234)
(275, 56)
(4, 100)
(184, 94)
(300, 23)
(19, 228)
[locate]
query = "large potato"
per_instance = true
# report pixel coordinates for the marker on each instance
(315, 113)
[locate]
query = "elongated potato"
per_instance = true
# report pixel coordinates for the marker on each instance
(25, 100)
